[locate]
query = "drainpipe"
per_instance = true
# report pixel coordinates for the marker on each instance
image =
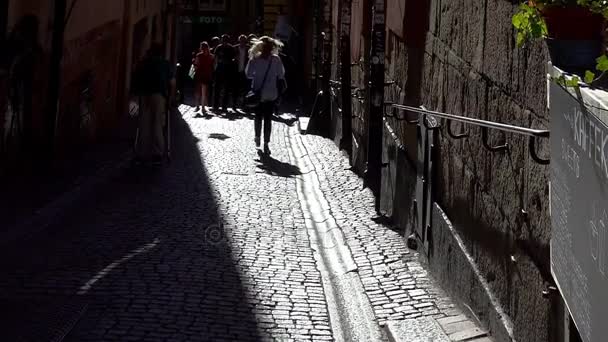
(260, 17)
(174, 23)
(165, 23)
(345, 75)
(55, 77)
(376, 101)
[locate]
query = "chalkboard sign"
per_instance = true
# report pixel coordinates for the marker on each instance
(579, 212)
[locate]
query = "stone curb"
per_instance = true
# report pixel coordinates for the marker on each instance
(44, 217)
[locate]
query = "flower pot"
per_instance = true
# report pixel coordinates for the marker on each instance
(575, 36)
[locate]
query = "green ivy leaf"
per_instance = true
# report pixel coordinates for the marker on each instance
(573, 82)
(602, 63)
(561, 80)
(589, 77)
(517, 20)
(528, 24)
(521, 39)
(565, 82)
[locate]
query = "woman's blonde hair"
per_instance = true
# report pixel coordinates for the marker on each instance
(258, 46)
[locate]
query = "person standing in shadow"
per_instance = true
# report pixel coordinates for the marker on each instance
(225, 67)
(241, 81)
(154, 84)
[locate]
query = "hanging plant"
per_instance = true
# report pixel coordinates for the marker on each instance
(572, 29)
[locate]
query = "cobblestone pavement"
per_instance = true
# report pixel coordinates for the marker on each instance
(212, 247)
(394, 280)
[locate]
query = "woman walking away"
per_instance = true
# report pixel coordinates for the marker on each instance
(203, 75)
(266, 70)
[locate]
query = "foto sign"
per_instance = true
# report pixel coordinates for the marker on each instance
(579, 212)
(203, 20)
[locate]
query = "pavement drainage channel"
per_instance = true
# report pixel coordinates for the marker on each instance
(351, 315)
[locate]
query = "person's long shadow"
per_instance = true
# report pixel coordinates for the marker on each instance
(148, 258)
(287, 119)
(276, 167)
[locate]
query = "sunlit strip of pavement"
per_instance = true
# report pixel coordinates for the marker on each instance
(101, 274)
(351, 314)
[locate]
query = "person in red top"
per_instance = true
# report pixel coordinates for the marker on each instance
(203, 65)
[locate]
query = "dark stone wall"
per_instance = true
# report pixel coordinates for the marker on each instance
(467, 63)
(490, 229)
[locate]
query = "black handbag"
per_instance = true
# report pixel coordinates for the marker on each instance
(254, 97)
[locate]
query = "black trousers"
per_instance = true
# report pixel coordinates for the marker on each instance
(222, 87)
(241, 85)
(264, 113)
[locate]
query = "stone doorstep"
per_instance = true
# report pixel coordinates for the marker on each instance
(422, 329)
(448, 329)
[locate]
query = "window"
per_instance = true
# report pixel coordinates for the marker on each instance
(219, 4)
(212, 5)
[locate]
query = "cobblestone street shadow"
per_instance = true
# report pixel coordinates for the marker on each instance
(275, 167)
(149, 258)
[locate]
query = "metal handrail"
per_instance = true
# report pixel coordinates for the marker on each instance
(337, 84)
(541, 133)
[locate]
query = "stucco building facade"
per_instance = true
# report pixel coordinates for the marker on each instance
(101, 43)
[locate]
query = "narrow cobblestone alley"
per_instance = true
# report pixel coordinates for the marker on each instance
(213, 247)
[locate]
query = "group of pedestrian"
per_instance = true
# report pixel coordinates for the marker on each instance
(218, 70)
(250, 72)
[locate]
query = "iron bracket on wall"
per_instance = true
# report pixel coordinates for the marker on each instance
(486, 143)
(396, 116)
(456, 136)
(534, 153)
